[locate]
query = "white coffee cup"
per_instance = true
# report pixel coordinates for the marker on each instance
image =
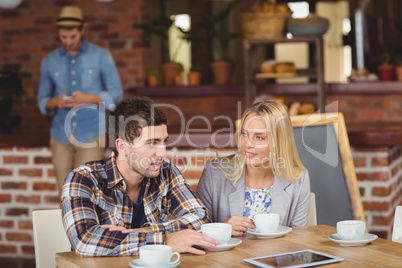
(351, 229)
(221, 232)
(266, 223)
(158, 255)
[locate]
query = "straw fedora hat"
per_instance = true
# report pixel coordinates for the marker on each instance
(70, 16)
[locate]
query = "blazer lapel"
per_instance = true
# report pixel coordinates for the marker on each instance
(236, 196)
(280, 199)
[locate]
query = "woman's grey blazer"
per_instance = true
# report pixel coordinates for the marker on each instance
(224, 198)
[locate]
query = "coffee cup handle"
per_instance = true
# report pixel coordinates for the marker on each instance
(176, 261)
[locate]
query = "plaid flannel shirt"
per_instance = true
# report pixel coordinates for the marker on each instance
(94, 194)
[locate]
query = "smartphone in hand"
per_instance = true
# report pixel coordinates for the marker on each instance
(67, 98)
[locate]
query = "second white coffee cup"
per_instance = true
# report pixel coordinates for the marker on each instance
(266, 223)
(158, 255)
(221, 232)
(351, 229)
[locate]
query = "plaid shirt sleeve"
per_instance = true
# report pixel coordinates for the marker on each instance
(81, 221)
(176, 198)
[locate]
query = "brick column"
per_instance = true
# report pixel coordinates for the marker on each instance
(379, 174)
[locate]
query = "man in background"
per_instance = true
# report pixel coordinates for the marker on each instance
(79, 82)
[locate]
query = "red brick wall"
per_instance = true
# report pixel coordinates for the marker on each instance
(358, 107)
(27, 183)
(369, 107)
(379, 175)
(28, 34)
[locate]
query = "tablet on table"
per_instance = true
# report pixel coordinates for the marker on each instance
(296, 259)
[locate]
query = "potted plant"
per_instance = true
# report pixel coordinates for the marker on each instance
(160, 28)
(194, 76)
(152, 78)
(217, 28)
(178, 80)
(398, 67)
(386, 69)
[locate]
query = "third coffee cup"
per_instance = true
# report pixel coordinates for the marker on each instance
(266, 223)
(351, 229)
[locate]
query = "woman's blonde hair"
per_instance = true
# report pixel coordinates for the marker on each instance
(283, 157)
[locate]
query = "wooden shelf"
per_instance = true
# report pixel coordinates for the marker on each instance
(300, 73)
(275, 75)
(188, 91)
(316, 72)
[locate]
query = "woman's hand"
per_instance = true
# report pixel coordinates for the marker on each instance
(240, 224)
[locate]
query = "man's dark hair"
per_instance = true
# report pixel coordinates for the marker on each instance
(133, 115)
(69, 28)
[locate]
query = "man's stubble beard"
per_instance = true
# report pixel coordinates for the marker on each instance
(145, 172)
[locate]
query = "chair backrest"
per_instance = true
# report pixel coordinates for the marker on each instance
(397, 231)
(49, 237)
(312, 213)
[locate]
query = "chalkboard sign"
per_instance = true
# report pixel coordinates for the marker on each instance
(323, 147)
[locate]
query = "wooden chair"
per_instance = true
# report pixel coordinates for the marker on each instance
(397, 230)
(312, 213)
(49, 237)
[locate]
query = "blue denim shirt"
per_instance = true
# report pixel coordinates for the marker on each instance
(91, 71)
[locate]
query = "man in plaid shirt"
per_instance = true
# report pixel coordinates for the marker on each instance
(112, 207)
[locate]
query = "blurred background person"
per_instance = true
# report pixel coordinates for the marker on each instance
(79, 82)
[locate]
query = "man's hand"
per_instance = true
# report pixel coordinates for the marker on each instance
(79, 97)
(240, 224)
(183, 241)
(61, 103)
(57, 102)
(114, 228)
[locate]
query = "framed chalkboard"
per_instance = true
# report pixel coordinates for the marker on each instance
(323, 147)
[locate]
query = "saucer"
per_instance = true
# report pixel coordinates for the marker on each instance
(367, 238)
(282, 230)
(233, 242)
(137, 263)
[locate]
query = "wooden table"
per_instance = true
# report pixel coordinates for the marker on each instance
(379, 253)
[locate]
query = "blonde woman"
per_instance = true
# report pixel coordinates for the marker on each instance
(264, 176)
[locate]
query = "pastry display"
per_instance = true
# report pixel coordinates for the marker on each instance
(306, 108)
(285, 67)
(271, 67)
(268, 66)
(279, 99)
(362, 75)
(295, 108)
